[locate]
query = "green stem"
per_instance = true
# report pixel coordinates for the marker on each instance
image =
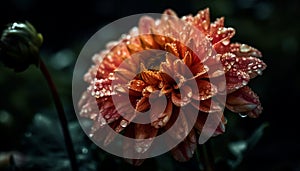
(205, 153)
(61, 116)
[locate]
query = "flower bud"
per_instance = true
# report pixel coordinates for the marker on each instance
(19, 46)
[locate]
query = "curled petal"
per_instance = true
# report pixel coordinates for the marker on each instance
(172, 48)
(244, 100)
(151, 77)
(142, 105)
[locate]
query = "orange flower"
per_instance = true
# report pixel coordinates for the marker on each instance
(166, 79)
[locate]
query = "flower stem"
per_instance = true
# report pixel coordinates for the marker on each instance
(205, 153)
(61, 116)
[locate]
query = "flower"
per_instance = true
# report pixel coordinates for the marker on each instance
(19, 46)
(169, 75)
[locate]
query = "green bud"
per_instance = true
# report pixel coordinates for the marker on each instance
(19, 46)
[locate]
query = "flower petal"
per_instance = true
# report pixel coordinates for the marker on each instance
(145, 25)
(250, 65)
(244, 100)
(209, 128)
(205, 89)
(185, 150)
(151, 77)
(202, 20)
(143, 104)
(134, 44)
(144, 135)
(137, 85)
(209, 105)
(222, 35)
(180, 128)
(243, 50)
(181, 101)
(158, 118)
(236, 79)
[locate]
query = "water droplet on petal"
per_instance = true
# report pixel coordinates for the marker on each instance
(225, 42)
(245, 48)
(259, 72)
(111, 76)
(190, 94)
(123, 123)
(243, 115)
(166, 118)
(138, 149)
(244, 82)
(91, 135)
(102, 121)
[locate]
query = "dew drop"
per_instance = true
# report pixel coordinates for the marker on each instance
(160, 85)
(102, 121)
(119, 88)
(190, 94)
(244, 82)
(123, 123)
(259, 72)
(166, 118)
(205, 24)
(209, 52)
(91, 135)
(243, 115)
(245, 48)
(93, 115)
(206, 68)
(138, 149)
(111, 76)
(225, 42)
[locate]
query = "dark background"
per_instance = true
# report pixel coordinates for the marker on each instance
(27, 112)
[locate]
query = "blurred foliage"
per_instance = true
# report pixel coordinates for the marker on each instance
(28, 121)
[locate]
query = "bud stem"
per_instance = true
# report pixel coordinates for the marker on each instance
(61, 115)
(205, 155)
